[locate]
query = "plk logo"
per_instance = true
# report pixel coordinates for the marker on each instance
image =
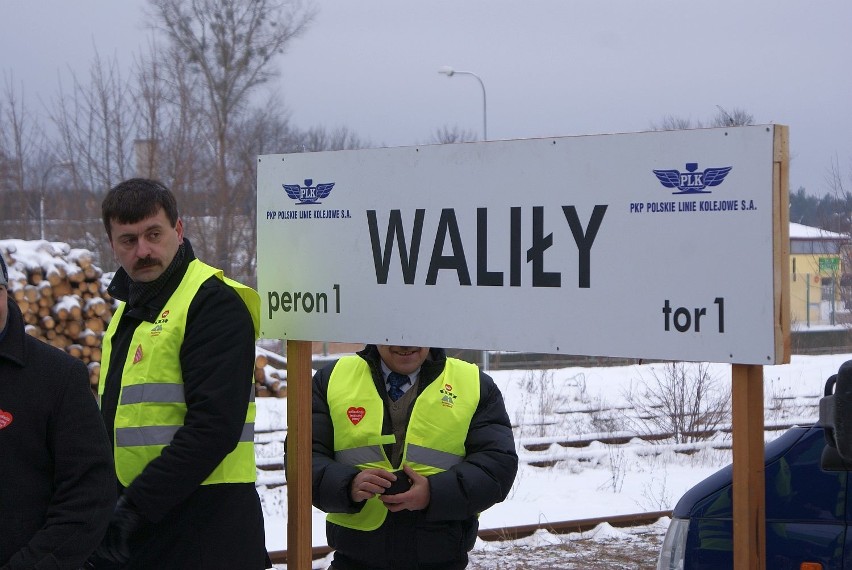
(308, 194)
(692, 181)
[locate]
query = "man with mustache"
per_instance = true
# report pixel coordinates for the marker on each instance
(177, 397)
(409, 446)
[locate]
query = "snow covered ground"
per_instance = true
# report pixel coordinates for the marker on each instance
(629, 475)
(611, 472)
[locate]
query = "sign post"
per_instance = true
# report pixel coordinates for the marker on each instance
(299, 454)
(661, 245)
(749, 496)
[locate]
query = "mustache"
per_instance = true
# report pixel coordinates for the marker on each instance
(146, 262)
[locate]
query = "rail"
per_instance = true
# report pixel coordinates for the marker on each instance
(523, 531)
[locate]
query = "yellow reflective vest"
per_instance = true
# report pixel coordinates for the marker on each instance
(434, 439)
(151, 405)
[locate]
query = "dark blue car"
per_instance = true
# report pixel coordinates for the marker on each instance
(806, 513)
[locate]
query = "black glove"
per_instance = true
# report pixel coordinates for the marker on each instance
(115, 547)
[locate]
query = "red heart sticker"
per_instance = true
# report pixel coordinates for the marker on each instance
(6, 418)
(356, 414)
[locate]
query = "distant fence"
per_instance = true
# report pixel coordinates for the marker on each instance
(833, 341)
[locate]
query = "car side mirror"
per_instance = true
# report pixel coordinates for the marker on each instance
(835, 417)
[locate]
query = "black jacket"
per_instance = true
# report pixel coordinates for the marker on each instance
(193, 525)
(439, 537)
(57, 487)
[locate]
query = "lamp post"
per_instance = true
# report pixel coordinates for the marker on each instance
(62, 164)
(449, 72)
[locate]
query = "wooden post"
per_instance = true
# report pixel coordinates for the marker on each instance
(299, 455)
(749, 495)
(749, 486)
(781, 239)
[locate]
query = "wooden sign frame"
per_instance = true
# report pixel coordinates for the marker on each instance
(747, 410)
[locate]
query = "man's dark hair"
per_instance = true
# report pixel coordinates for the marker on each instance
(136, 199)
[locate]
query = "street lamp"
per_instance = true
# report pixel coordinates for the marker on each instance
(62, 164)
(449, 72)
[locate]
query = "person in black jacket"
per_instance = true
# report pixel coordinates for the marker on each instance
(177, 397)
(409, 446)
(56, 482)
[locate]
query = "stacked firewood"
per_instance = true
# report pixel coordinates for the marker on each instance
(270, 374)
(63, 297)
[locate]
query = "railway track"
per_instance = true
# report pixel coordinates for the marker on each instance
(543, 452)
(523, 531)
(536, 451)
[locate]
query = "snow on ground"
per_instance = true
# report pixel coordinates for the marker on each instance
(599, 479)
(548, 407)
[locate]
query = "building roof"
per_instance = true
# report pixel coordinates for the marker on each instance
(799, 231)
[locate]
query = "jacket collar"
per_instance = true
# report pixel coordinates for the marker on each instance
(119, 288)
(429, 370)
(12, 346)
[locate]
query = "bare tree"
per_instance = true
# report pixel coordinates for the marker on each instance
(229, 46)
(736, 118)
(684, 400)
(672, 123)
(317, 139)
(447, 135)
(96, 121)
(12, 136)
(153, 95)
(186, 116)
(176, 146)
(22, 151)
(834, 180)
(838, 218)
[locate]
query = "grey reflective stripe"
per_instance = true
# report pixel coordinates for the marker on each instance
(359, 455)
(440, 459)
(162, 435)
(160, 393)
(148, 435)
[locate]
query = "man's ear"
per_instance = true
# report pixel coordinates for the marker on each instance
(179, 229)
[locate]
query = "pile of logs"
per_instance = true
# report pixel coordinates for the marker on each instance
(270, 374)
(62, 295)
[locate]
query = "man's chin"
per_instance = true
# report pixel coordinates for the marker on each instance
(146, 274)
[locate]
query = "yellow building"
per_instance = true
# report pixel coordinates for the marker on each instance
(816, 270)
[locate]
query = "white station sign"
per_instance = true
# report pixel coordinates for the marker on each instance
(647, 245)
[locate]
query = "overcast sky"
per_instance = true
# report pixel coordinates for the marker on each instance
(550, 67)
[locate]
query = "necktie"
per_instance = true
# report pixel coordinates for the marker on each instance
(397, 381)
